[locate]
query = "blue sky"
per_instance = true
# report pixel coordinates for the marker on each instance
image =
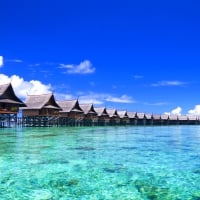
(134, 55)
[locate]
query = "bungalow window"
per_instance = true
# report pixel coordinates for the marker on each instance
(3, 106)
(14, 109)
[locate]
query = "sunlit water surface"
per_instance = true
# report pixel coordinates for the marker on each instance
(100, 163)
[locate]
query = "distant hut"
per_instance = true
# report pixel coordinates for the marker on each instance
(90, 115)
(183, 120)
(132, 118)
(41, 110)
(124, 119)
(141, 120)
(71, 113)
(157, 119)
(149, 119)
(114, 117)
(193, 120)
(164, 119)
(9, 105)
(173, 119)
(103, 117)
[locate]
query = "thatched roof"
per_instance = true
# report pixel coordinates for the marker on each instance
(156, 116)
(41, 101)
(88, 108)
(182, 118)
(173, 117)
(112, 112)
(122, 114)
(164, 117)
(131, 115)
(148, 116)
(7, 95)
(101, 111)
(69, 106)
(192, 117)
(140, 115)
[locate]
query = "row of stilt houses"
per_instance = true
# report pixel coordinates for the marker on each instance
(43, 110)
(9, 106)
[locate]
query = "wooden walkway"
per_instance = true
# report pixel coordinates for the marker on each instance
(14, 121)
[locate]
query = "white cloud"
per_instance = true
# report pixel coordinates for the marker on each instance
(1, 61)
(167, 113)
(156, 103)
(122, 99)
(138, 77)
(195, 111)
(90, 97)
(168, 83)
(60, 96)
(176, 111)
(34, 65)
(84, 67)
(86, 99)
(42, 64)
(15, 60)
(102, 98)
(38, 87)
(22, 87)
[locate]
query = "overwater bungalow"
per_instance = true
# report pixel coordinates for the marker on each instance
(90, 115)
(124, 119)
(183, 120)
(9, 106)
(114, 117)
(41, 110)
(173, 119)
(132, 118)
(148, 118)
(103, 117)
(71, 113)
(157, 119)
(140, 117)
(193, 120)
(164, 119)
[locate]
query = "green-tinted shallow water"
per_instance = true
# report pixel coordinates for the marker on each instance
(100, 163)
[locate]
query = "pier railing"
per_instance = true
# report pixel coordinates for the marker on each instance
(45, 121)
(61, 121)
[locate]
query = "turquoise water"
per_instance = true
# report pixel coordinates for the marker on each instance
(100, 163)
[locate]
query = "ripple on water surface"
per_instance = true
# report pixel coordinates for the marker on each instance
(129, 163)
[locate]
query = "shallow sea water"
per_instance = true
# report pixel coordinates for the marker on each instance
(100, 163)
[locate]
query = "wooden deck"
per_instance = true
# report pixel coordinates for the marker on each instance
(8, 120)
